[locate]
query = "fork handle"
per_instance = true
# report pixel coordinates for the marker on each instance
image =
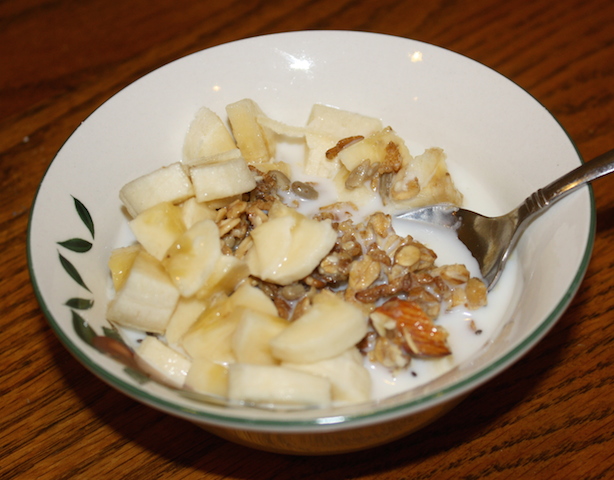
(587, 172)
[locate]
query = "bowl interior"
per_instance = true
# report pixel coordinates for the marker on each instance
(501, 145)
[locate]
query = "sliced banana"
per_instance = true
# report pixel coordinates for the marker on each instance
(327, 329)
(256, 142)
(207, 137)
(207, 377)
(167, 184)
(289, 246)
(191, 260)
(162, 362)
(271, 384)
(158, 227)
(147, 298)
(350, 380)
(252, 337)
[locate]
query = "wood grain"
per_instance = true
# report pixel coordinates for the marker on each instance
(549, 416)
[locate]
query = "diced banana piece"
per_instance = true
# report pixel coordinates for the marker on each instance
(185, 315)
(271, 384)
(228, 272)
(326, 330)
(166, 184)
(256, 142)
(213, 181)
(247, 295)
(191, 260)
(430, 171)
(272, 240)
(251, 339)
(326, 126)
(289, 246)
(350, 380)
(120, 263)
(162, 362)
(206, 136)
(158, 227)
(207, 377)
(147, 299)
(193, 212)
(210, 337)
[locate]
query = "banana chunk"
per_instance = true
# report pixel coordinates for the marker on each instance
(191, 260)
(350, 380)
(213, 181)
(158, 227)
(326, 126)
(256, 141)
(120, 263)
(207, 136)
(277, 385)
(162, 362)
(289, 246)
(166, 184)
(147, 298)
(251, 339)
(185, 315)
(207, 377)
(326, 330)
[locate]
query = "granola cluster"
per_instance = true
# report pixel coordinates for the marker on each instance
(392, 278)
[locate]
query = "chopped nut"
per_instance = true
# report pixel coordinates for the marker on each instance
(389, 353)
(422, 337)
(405, 190)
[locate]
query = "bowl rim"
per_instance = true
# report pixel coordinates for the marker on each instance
(371, 415)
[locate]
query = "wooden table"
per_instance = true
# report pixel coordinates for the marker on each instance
(550, 416)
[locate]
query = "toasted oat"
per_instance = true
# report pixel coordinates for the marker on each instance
(331, 153)
(476, 293)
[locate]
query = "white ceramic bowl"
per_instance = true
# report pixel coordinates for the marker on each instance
(500, 143)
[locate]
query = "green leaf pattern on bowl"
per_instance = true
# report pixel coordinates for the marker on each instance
(110, 342)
